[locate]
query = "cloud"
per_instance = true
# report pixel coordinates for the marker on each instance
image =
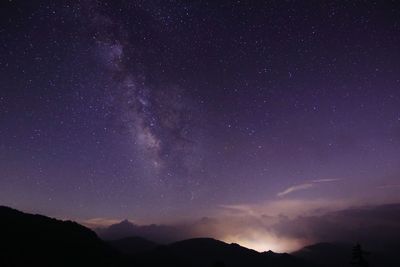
(305, 186)
(153, 232)
(288, 207)
(325, 180)
(373, 226)
(282, 226)
(294, 189)
(99, 222)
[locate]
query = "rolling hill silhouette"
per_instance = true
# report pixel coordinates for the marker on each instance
(36, 240)
(198, 252)
(339, 254)
(327, 254)
(133, 245)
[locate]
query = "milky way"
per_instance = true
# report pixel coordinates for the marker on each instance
(160, 119)
(169, 111)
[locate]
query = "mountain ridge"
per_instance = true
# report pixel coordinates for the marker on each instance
(37, 240)
(32, 240)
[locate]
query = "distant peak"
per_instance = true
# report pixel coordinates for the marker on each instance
(126, 221)
(269, 252)
(123, 223)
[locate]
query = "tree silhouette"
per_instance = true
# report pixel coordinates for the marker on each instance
(358, 256)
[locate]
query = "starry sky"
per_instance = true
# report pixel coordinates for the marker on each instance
(168, 111)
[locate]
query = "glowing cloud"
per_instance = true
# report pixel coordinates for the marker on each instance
(294, 189)
(305, 186)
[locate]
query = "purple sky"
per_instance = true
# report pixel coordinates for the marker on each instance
(165, 112)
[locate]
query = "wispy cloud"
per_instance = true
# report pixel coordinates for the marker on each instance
(325, 180)
(305, 186)
(99, 222)
(295, 188)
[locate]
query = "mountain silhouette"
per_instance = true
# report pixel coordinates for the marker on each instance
(36, 240)
(199, 252)
(340, 254)
(326, 254)
(162, 234)
(133, 245)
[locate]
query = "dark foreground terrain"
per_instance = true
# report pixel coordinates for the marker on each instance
(36, 240)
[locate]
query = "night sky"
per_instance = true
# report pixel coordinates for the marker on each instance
(170, 111)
